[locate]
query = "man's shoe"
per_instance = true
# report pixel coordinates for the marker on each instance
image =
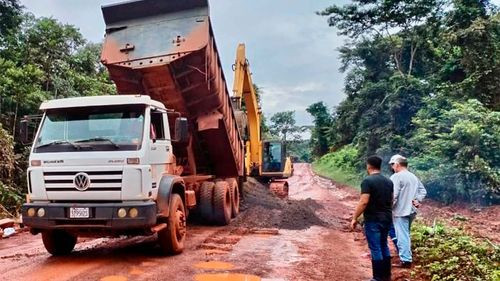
(387, 268)
(404, 264)
(378, 270)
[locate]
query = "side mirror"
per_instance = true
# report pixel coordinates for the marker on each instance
(24, 131)
(181, 130)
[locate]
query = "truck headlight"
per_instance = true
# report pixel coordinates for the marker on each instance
(122, 213)
(41, 212)
(133, 213)
(31, 212)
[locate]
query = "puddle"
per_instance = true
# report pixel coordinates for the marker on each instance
(226, 277)
(263, 235)
(136, 271)
(148, 263)
(216, 265)
(215, 252)
(114, 278)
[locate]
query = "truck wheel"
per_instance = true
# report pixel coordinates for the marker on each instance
(235, 197)
(206, 201)
(222, 203)
(171, 239)
(58, 242)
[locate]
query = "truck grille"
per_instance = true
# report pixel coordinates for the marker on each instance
(99, 180)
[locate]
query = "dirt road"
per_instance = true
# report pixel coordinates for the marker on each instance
(303, 238)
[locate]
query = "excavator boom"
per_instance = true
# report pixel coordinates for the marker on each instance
(264, 159)
(243, 91)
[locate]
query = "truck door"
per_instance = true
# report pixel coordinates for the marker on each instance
(159, 136)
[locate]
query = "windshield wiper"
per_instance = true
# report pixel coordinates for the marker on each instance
(57, 142)
(99, 139)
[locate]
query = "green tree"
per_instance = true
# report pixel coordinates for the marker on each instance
(399, 21)
(413, 68)
(458, 151)
(322, 123)
(10, 18)
(19, 89)
(283, 126)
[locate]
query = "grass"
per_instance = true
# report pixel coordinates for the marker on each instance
(447, 253)
(337, 174)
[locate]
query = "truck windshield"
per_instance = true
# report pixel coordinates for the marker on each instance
(101, 128)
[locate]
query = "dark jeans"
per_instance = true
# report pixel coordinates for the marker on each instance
(392, 234)
(376, 235)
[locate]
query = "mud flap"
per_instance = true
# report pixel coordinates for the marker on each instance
(164, 193)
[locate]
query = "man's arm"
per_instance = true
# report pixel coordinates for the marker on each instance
(363, 202)
(396, 188)
(421, 192)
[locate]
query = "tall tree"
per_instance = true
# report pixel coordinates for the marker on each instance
(10, 17)
(283, 126)
(397, 20)
(322, 123)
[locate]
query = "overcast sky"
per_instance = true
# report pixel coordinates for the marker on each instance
(292, 51)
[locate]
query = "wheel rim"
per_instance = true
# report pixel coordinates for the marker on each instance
(180, 227)
(228, 198)
(236, 198)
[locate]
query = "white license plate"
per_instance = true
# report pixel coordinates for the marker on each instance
(79, 213)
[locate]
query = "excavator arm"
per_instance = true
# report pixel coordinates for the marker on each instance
(264, 159)
(243, 91)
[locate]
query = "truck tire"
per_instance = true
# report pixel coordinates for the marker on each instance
(222, 203)
(235, 197)
(58, 242)
(171, 239)
(206, 201)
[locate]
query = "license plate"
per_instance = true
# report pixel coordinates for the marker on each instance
(79, 213)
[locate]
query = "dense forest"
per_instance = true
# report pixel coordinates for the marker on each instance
(422, 80)
(40, 59)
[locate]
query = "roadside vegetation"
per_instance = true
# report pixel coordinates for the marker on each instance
(40, 59)
(341, 166)
(422, 80)
(445, 253)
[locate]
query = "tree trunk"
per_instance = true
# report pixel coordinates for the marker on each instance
(412, 57)
(15, 119)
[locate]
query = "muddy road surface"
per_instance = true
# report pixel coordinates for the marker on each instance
(302, 238)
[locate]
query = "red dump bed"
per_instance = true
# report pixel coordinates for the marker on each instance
(166, 49)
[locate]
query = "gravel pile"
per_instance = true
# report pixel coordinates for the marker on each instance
(261, 209)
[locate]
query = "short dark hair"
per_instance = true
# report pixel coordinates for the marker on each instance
(404, 164)
(374, 161)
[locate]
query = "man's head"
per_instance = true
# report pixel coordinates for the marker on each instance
(398, 163)
(373, 164)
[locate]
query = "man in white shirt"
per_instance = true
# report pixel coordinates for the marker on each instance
(408, 193)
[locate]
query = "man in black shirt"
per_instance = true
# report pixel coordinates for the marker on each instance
(376, 205)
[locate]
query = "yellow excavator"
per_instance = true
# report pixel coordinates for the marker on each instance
(264, 159)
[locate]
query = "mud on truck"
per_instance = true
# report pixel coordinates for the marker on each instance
(139, 162)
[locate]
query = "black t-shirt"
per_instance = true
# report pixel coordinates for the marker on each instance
(380, 189)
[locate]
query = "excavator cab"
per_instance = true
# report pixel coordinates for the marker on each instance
(275, 162)
(274, 156)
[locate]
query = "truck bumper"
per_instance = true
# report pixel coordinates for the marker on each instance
(101, 216)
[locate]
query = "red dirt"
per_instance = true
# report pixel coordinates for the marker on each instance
(302, 238)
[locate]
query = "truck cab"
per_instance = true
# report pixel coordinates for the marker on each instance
(96, 165)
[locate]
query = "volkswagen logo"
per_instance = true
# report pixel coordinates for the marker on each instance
(81, 181)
